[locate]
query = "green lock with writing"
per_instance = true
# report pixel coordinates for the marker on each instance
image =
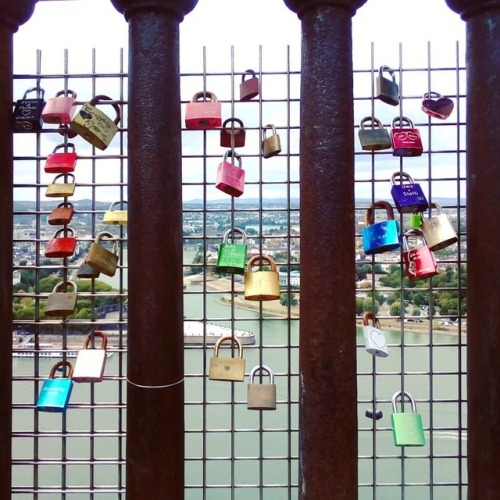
(407, 428)
(232, 255)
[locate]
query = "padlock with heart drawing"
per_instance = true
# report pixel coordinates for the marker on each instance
(375, 342)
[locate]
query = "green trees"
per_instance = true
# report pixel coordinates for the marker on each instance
(288, 298)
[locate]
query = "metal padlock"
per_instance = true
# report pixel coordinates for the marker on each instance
(375, 342)
(227, 368)
(261, 396)
(61, 163)
(100, 258)
(61, 303)
(90, 362)
(61, 246)
(406, 140)
(87, 271)
(374, 138)
(116, 217)
(93, 125)
(387, 90)
(28, 112)
(436, 105)
(380, 237)
(271, 146)
(232, 137)
(61, 189)
(230, 178)
(232, 256)
(62, 214)
(61, 108)
(407, 195)
(415, 221)
(55, 392)
(249, 88)
(262, 285)
(419, 262)
(438, 230)
(202, 115)
(407, 428)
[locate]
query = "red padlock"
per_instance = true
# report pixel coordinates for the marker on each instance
(232, 137)
(61, 163)
(230, 178)
(61, 215)
(249, 88)
(202, 115)
(405, 141)
(419, 262)
(61, 246)
(61, 108)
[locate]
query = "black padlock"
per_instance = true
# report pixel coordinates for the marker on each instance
(387, 90)
(28, 112)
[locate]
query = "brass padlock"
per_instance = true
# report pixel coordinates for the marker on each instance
(438, 230)
(387, 90)
(61, 303)
(87, 271)
(271, 146)
(262, 285)
(261, 396)
(100, 258)
(115, 217)
(226, 368)
(61, 189)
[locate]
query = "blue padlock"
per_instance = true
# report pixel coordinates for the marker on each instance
(55, 393)
(407, 195)
(380, 237)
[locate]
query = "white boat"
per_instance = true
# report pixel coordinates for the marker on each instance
(198, 332)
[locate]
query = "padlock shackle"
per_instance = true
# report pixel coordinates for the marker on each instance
(121, 203)
(402, 120)
(432, 95)
(373, 121)
(232, 120)
(233, 230)
(104, 99)
(261, 259)
(233, 155)
(57, 365)
(66, 93)
(65, 146)
(63, 175)
(64, 283)
(403, 395)
(38, 91)
(250, 72)
(232, 339)
(401, 176)
(389, 70)
(93, 335)
(416, 233)
(371, 315)
(63, 230)
(204, 94)
(109, 237)
(269, 126)
(263, 368)
(384, 205)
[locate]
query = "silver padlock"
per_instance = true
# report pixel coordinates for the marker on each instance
(271, 146)
(90, 362)
(438, 230)
(375, 342)
(261, 396)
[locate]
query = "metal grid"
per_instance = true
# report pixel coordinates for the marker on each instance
(232, 452)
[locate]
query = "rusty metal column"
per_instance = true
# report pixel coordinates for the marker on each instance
(328, 389)
(155, 392)
(483, 244)
(13, 13)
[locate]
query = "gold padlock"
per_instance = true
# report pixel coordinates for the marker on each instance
(271, 146)
(100, 258)
(261, 396)
(61, 303)
(262, 285)
(115, 217)
(438, 230)
(61, 189)
(225, 368)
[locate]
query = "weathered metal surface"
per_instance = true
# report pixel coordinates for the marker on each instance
(328, 390)
(483, 249)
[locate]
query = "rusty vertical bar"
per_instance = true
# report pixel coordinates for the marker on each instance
(13, 13)
(155, 397)
(328, 388)
(483, 229)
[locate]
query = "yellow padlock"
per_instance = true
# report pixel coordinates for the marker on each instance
(225, 368)
(262, 285)
(115, 217)
(261, 396)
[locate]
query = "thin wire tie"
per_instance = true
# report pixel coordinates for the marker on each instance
(155, 386)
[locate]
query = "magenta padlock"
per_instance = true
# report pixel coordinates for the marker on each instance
(61, 163)
(205, 114)
(419, 262)
(249, 88)
(406, 140)
(230, 178)
(61, 108)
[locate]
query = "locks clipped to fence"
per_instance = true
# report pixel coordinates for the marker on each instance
(387, 89)
(262, 284)
(380, 237)
(203, 114)
(407, 194)
(261, 396)
(232, 136)
(91, 361)
(232, 256)
(406, 140)
(437, 106)
(61, 108)
(28, 111)
(375, 342)
(419, 262)
(230, 178)
(62, 214)
(438, 230)
(114, 216)
(93, 125)
(61, 302)
(55, 392)
(407, 428)
(271, 145)
(102, 259)
(61, 246)
(375, 138)
(61, 189)
(61, 162)
(249, 87)
(229, 369)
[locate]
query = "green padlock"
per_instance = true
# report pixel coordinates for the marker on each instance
(232, 256)
(407, 428)
(416, 220)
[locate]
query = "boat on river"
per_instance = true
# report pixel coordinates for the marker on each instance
(198, 332)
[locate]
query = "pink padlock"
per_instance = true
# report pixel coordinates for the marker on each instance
(419, 262)
(61, 108)
(230, 178)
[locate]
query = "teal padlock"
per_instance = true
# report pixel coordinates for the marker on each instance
(55, 393)
(407, 428)
(232, 255)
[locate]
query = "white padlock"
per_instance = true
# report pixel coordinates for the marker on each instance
(90, 362)
(375, 342)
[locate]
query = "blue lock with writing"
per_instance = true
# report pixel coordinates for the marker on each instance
(380, 237)
(407, 195)
(55, 393)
